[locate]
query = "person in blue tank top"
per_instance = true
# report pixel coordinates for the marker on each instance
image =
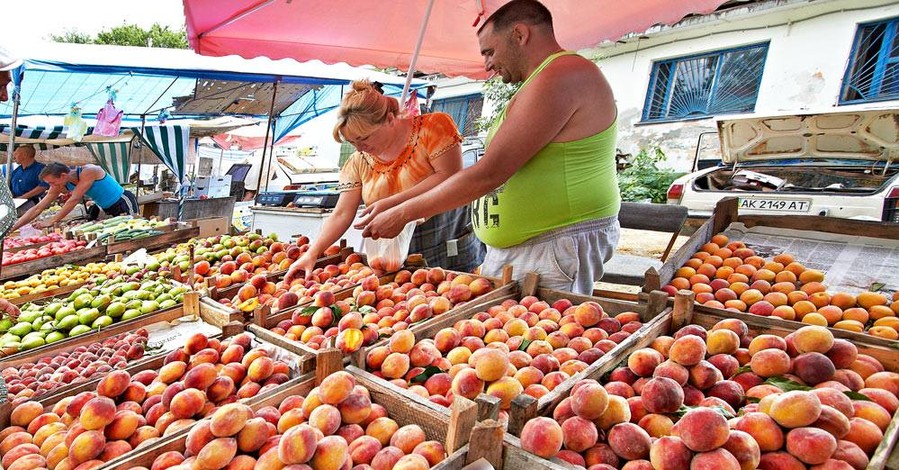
(88, 180)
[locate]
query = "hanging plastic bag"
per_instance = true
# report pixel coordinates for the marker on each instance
(109, 120)
(411, 107)
(76, 127)
(386, 255)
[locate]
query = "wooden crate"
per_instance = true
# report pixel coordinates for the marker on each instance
(82, 256)
(726, 214)
(684, 313)
(47, 293)
(263, 320)
(450, 428)
(525, 406)
(190, 307)
(171, 234)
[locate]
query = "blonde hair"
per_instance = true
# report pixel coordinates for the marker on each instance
(363, 108)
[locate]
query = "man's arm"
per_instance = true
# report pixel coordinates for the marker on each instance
(89, 174)
(535, 117)
(34, 192)
(35, 211)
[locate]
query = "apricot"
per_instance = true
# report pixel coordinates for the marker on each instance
(543, 437)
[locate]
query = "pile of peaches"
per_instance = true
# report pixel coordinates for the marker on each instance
(728, 275)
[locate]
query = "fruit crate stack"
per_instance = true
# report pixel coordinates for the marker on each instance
(51, 255)
(707, 390)
(150, 401)
(540, 342)
(727, 274)
(373, 309)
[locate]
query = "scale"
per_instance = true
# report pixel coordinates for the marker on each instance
(323, 199)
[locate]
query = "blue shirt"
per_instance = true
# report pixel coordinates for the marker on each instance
(105, 192)
(26, 179)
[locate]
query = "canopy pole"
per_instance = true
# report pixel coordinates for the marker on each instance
(271, 154)
(268, 128)
(421, 38)
(143, 121)
(12, 128)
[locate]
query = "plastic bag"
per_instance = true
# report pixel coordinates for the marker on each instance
(76, 127)
(109, 120)
(386, 255)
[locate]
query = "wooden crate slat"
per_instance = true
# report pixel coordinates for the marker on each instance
(84, 255)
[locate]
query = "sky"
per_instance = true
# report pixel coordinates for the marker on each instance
(27, 21)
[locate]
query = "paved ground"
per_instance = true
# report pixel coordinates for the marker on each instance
(641, 243)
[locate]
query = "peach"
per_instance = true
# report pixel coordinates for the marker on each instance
(702, 429)
(542, 437)
(687, 350)
(729, 391)
(123, 425)
(703, 375)
(617, 411)
(298, 444)
(726, 363)
(590, 400)
(662, 395)
(33, 461)
(336, 387)
(467, 384)
(200, 377)
(25, 413)
(87, 446)
(852, 454)
(864, 434)
(644, 361)
(218, 453)
(656, 425)
(810, 445)
(718, 459)
(770, 363)
(229, 419)
(506, 389)
(187, 403)
(114, 384)
(832, 421)
(363, 449)
(813, 339)
(670, 453)
(629, 441)
(744, 448)
(673, 371)
(433, 451)
(721, 341)
(490, 364)
(407, 437)
(813, 368)
(386, 458)
(97, 412)
(395, 365)
(795, 409)
(197, 438)
(325, 418)
(382, 429)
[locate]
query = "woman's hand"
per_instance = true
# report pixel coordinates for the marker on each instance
(371, 211)
(304, 265)
(42, 224)
(8, 309)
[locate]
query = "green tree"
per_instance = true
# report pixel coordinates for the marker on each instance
(130, 35)
(643, 180)
(498, 93)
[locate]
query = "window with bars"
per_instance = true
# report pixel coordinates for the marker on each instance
(705, 85)
(464, 110)
(873, 70)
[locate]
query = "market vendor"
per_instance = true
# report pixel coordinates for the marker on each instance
(88, 180)
(544, 196)
(397, 157)
(25, 181)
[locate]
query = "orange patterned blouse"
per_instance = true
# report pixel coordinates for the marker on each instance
(432, 135)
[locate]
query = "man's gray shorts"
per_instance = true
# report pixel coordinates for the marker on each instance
(569, 258)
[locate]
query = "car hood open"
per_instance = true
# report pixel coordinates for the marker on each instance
(846, 135)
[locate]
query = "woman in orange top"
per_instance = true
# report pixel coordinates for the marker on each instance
(397, 158)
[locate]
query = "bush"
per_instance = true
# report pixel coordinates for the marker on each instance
(644, 180)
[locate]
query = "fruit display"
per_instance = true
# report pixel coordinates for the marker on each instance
(728, 275)
(336, 425)
(127, 411)
(720, 398)
(378, 310)
(231, 259)
(85, 309)
(82, 363)
(54, 278)
(281, 296)
(513, 348)
(50, 249)
(17, 242)
(123, 227)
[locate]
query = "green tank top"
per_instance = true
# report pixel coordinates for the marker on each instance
(563, 184)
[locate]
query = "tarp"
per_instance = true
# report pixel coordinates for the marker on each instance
(169, 143)
(114, 158)
(384, 34)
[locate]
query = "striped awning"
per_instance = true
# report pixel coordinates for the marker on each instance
(114, 157)
(169, 143)
(49, 137)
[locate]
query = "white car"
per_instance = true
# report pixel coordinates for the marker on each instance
(839, 164)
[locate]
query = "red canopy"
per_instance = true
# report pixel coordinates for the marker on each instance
(384, 34)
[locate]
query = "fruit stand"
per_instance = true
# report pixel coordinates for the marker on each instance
(429, 368)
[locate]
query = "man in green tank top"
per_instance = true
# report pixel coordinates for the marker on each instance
(544, 197)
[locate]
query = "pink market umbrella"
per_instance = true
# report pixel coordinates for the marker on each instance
(385, 34)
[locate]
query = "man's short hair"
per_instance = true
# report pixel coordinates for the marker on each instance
(54, 169)
(529, 12)
(28, 149)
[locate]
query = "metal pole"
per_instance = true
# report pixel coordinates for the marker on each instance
(12, 128)
(143, 121)
(271, 156)
(268, 128)
(421, 38)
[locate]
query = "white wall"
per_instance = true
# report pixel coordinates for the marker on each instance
(808, 51)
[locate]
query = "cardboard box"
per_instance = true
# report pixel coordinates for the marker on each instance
(212, 187)
(212, 226)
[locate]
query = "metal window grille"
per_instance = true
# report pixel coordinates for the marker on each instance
(464, 110)
(704, 85)
(873, 70)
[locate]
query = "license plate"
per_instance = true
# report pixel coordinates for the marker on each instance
(776, 205)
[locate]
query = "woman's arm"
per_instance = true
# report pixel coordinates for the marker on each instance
(332, 229)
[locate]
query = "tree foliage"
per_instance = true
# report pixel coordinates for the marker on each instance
(130, 35)
(643, 180)
(498, 93)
